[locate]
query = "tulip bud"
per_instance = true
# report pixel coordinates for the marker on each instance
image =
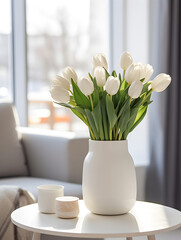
(69, 73)
(86, 86)
(100, 60)
(112, 85)
(60, 81)
(100, 75)
(132, 73)
(146, 72)
(135, 89)
(60, 94)
(126, 60)
(160, 82)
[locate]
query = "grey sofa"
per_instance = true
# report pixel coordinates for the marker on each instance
(29, 158)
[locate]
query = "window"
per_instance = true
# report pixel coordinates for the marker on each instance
(137, 36)
(70, 32)
(61, 33)
(5, 30)
(130, 31)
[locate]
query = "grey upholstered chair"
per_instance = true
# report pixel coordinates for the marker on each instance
(29, 158)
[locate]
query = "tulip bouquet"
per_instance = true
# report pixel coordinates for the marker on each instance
(111, 105)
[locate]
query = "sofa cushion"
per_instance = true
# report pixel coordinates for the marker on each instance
(31, 183)
(12, 161)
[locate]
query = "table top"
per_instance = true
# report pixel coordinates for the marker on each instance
(144, 219)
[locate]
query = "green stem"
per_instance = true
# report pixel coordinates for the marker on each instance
(110, 134)
(114, 133)
(124, 74)
(91, 102)
(117, 129)
(110, 130)
(120, 136)
(130, 100)
(90, 130)
(145, 99)
(91, 133)
(71, 92)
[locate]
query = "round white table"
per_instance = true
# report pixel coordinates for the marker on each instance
(145, 219)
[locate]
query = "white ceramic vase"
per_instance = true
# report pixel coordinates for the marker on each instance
(109, 178)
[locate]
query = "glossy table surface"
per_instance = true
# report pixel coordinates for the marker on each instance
(144, 219)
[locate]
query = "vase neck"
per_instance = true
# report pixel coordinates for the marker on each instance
(108, 146)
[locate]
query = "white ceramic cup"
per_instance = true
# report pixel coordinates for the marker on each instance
(67, 207)
(47, 195)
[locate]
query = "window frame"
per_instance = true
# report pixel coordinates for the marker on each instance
(19, 59)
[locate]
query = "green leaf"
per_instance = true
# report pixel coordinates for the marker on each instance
(81, 110)
(147, 103)
(146, 100)
(92, 123)
(124, 115)
(125, 103)
(107, 74)
(80, 99)
(124, 85)
(114, 74)
(79, 114)
(145, 87)
(64, 105)
(72, 101)
(95, 94)
(122, 99)
(120, 78)
(111, 111)
(90, 76)
(137, 102)
(116, 99)
(140, 115)
(133, 114)
(142, 80)
(104, 117)
(97, 115)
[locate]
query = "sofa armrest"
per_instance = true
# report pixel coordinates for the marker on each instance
(54, 155)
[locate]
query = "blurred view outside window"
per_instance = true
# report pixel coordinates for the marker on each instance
(61, 33)
(5, 30)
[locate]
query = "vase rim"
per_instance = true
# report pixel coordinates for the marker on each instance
(90, 140)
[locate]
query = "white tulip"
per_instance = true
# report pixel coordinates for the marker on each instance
(142, 68)
(99, 60)
(69, 73)
(132, 73)
(86, 86)
(60, 94)
(135, 89)
(149, 72)
(146, 72)
(100, 75)
(160, 82)
(126, 60)
(112, 85)
(61, 81)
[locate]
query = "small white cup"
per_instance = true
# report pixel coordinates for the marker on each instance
(47, 195)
